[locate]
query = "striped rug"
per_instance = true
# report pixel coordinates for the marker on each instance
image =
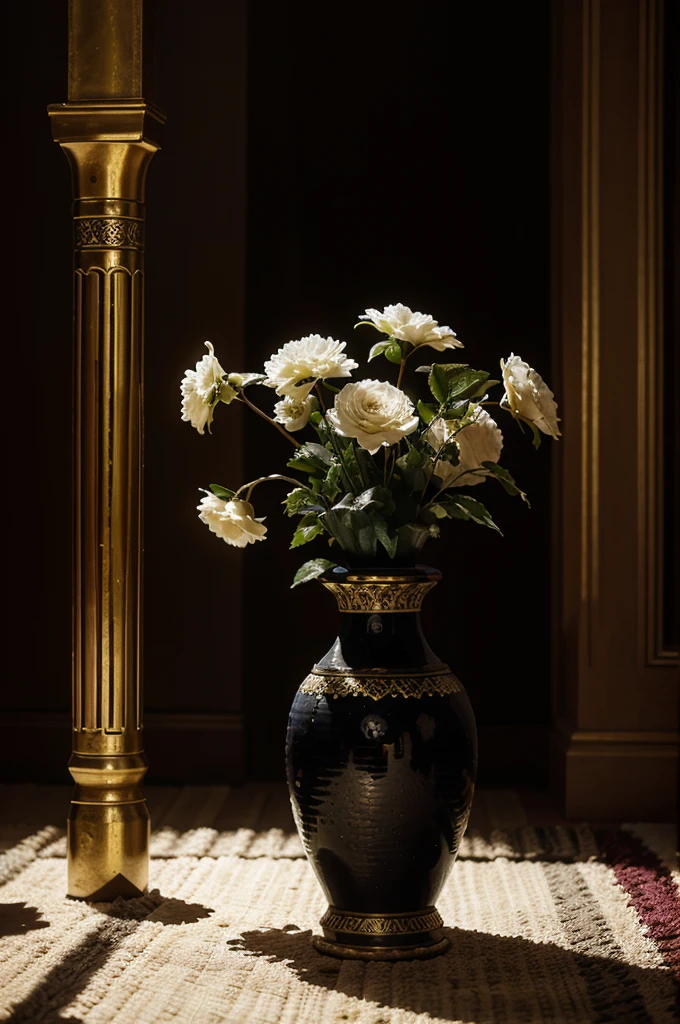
(553, 924)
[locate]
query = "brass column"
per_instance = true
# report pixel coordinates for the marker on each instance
(109, 134)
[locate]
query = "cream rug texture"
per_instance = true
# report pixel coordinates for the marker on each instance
(554, 924)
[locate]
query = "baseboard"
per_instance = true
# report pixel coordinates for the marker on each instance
(181, 747)
(629, 776)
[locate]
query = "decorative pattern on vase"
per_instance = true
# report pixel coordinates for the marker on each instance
(377, 687)
(376, 595)
(383, 924)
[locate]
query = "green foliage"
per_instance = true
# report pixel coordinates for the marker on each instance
(310, 527)
(298, 501)
(427, 410)
(222, 492)
(379, 348)
(462, 506)
(310, 570)
(359, 522)
(393, 353)
(452, 383)
(505, 479)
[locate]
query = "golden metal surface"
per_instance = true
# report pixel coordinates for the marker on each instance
(109, 135)
(377, 687)
(338, 949)
(340, 925)
(368, 595)
(381, 924)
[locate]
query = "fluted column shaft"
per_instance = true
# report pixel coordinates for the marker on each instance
(109, 143)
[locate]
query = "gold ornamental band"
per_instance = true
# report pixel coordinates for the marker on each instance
(350, 923)
(377, 687)
(385, 954)
(367, 596)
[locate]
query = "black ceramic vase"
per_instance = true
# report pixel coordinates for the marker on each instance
(381, 756)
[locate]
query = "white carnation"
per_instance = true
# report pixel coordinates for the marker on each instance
(313, 356)
(374, 412)
(528, 396)
(202, 389)
(481, 441)
(418, 328)
(233, 521)
(294, 413)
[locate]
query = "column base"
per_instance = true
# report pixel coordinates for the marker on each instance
(415, 935)
(108, 828)
(108, 850)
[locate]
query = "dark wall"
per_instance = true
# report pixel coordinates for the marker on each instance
(404, 159)
(387, 160)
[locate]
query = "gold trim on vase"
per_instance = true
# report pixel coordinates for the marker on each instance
(376, 687)
(384, 953)
(354, 923)
(367, 595)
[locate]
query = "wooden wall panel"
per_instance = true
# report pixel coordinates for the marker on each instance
(616, 693)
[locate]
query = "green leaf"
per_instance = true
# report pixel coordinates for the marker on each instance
(309, 528)
(331, 485)
(439, 511)
(387, 538)
(476, 511)
(222, 492)
(452, 382)
(413, 475)
(319, 450)
(311, 458)
(505, 479)
(393, 352)
(378, 348)
(243, 380)
(297, 500)
(484, 388)
(450, 452)
(310, 570)
(316, 418)
(427, 410)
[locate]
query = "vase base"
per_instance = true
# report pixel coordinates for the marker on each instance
(344, 952)
(409, 935)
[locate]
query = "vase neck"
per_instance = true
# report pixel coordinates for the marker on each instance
(379, 591)
(380, 621)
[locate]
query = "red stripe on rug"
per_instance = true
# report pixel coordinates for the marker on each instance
(650, 888)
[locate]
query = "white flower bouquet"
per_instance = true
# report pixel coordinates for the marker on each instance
(385, 468)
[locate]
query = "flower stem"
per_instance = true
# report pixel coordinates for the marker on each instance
(402, 367)
(246, 400)
(261, 480)
(320, 396)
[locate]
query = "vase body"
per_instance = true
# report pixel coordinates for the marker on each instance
(381, 757)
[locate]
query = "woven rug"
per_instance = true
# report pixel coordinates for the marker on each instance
(554, 924)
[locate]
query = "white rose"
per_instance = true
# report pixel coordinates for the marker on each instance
(374, 412)
(528, 396)
(294, 413)
(418, 328)
(313, 356)
(233, 521)
(481, 441)
(202, 388)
